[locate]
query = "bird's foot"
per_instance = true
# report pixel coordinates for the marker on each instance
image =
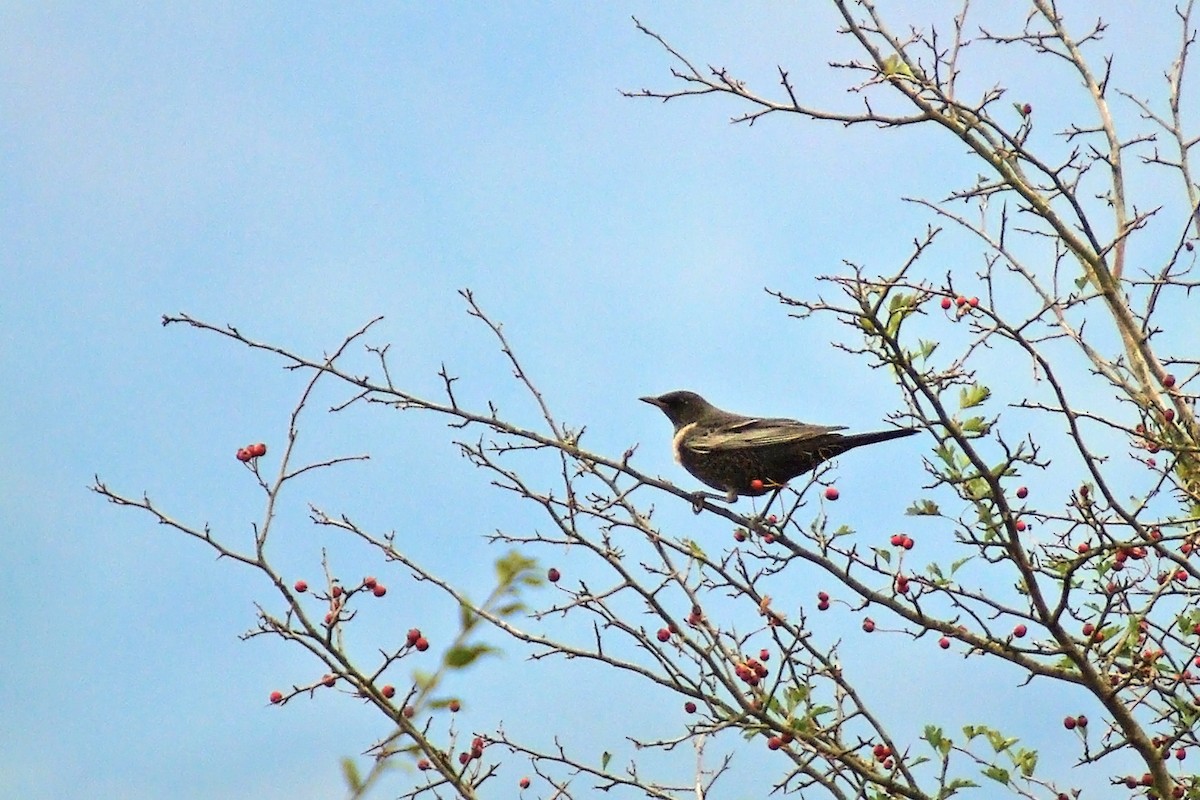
(699, 497)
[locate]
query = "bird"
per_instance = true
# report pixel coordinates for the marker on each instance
(750, 456)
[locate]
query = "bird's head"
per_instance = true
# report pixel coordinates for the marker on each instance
(682, 408)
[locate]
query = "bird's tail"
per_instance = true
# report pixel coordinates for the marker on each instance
(859, 439)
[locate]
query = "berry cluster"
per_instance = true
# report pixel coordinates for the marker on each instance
(251, 451)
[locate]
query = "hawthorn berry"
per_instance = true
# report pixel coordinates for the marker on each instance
(973, 302)
(256, 450)
(944, 643)
(1180, 754)
(413, 635)
(775, 743)
(553, 575)
(946, 303)
(329, 618)
(1081, 721)
(1023, 492)
(868, 624)
(409, 712)
(1169, 381)
(523, 783)
(380, 590)
(276, 697)
(756, 485)
(423, 764)
(1026, 109)
(739, 534)
(764, 655)
(689, 707)
(454, 706)
(1082, 548)
(336, 591)
(960, 301)
(1169, 415)
(831, 493)
(663, 634)
(243, 455)
(1088, 629)
(1020, 631)
(823, 605)
(422, 644)
(329, 680)
(301, 587)
(369, 582)
(388, 691)
(1069, 723)
(823, 597)
(464, 757)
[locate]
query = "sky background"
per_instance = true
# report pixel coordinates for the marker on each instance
(296, 171)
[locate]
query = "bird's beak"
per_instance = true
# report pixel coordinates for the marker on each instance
(654, 401)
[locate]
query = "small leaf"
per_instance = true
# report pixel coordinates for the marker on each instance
(923, 508)
(971, 396)
(605, 757)
(997, 774)
(350, 773)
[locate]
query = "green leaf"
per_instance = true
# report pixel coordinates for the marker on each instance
(937, 741)
(997, 774)
(463, 655)
(350, 773)
(975, 395)
(923, 508)
(605, 757)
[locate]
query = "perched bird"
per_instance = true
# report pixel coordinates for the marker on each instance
(752, 455)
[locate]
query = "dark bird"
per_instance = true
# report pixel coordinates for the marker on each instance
(752, 455)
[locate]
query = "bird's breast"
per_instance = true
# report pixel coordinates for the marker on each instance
(677, 442)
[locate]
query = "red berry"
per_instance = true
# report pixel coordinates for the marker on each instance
(1020, 631)
(409, 712)
(523, 783)
(974, 302)
(301, 587)
(897, 539)
(242, 454)
(329, 618)
(421, 644)
(868, 625)
(276, 697)
(256, 450)
(336, 591)
(831, 493)
(739, 535)
(1181, 575)
(960, 301)
(413, 635)
(901, 584)
(369, 582)
(1026, 109)
(1181, 754)
(454, 706)
(388, 691)
(756, 485)
(1088, 629)
(946, 303)
(1083, 547)
(1069, 723)
(1169, 415)
(423, 764)
(823, 605)
(1081, 721)
(908, 542)
(764, 655)
(663, 634)
(329, 680)
(1023, 492)
(380, 590)
(1169, 381)
(553, 575)
(823, 597)
(774, 743)
(944, 643)
(464, 757)
(689, 707)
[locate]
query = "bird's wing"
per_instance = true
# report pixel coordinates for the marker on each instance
(756, 432)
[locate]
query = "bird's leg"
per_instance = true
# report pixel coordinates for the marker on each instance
(699, 497)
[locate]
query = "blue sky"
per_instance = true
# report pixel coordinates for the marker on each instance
(298, 171)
